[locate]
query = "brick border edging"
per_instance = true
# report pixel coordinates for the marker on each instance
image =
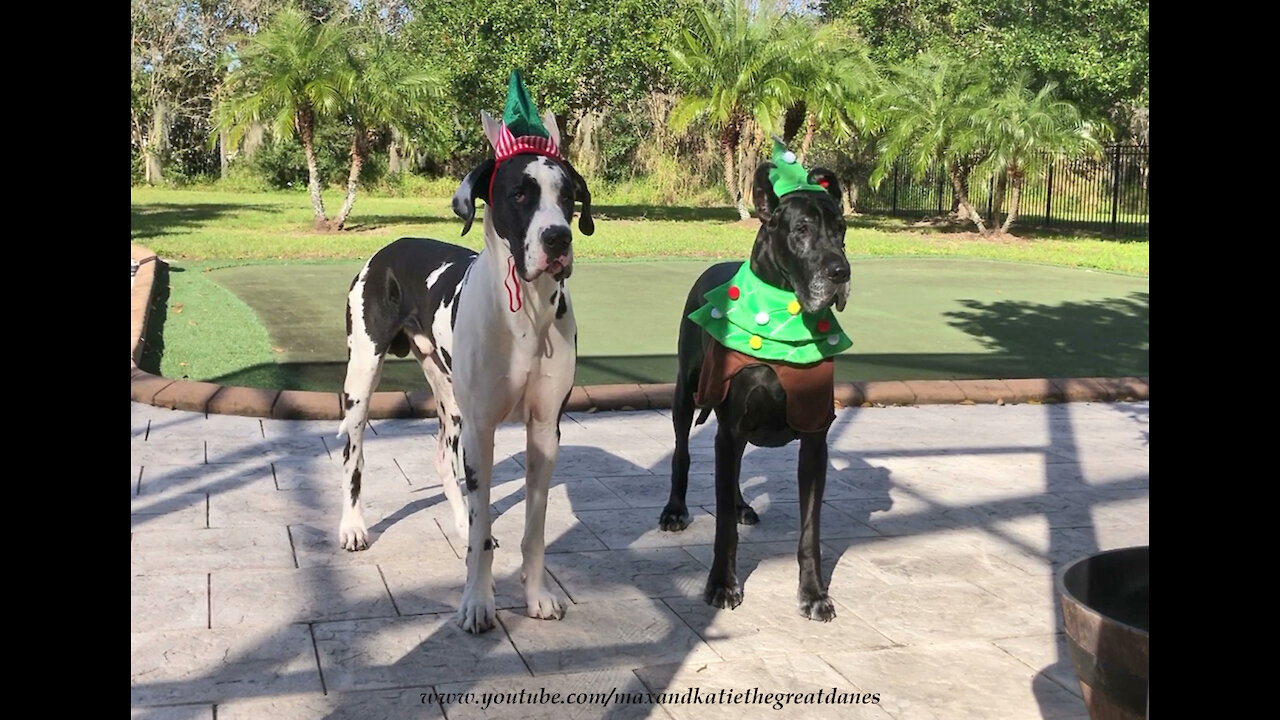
(207, 397)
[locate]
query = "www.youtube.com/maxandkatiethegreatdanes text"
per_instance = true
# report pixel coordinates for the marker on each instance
(693, 696)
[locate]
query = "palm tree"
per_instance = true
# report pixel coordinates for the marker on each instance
(927, 111)
(290, 75)
(390, 94)
(834, 79)
(1024, 129)
(732, 66)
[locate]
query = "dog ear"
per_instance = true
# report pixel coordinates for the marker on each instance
(583, 194)
(549, 122)
(474, 185)
(762, 193)
(827, 179)
(492, 128)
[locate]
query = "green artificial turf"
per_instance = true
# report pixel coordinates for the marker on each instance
(927, 303)
(909, 319)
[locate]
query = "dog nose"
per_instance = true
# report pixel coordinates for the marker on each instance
(557, 239)
(838, 271)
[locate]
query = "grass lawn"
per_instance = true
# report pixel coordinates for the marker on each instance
(214, 227)
(255, 297)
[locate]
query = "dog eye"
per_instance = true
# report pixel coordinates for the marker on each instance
(519, 196)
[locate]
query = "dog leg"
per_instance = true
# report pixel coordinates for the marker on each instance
(542, 449)
(675, 516)
(476, 613)
(364, 367)
(812, 476)
(450, 437)
(722, 589)
(447, 464)
(746, 515)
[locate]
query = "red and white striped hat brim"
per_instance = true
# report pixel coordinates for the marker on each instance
(509, 145)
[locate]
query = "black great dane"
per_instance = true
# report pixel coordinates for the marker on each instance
(496, 337)
(799, 249)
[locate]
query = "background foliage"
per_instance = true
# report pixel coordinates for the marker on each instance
(605, 67)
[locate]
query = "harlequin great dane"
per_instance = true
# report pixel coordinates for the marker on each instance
(496, 338)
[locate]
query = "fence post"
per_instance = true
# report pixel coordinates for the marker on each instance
(991, 194)
(1048, 194)
(1115, 190)
(939, 194)
(894, 211)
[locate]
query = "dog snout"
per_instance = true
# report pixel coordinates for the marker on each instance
(837, 271)
(557, 239)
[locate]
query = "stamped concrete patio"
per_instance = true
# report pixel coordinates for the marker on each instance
(942, 525)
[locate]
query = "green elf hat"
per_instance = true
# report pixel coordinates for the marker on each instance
(788, 175)
(522, 131)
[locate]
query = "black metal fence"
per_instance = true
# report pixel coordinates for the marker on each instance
(1110, 194)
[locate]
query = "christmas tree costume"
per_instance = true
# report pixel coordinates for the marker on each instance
(755, 323)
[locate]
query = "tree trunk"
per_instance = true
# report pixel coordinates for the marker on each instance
(584, 146)
(358, 151)
(306, 130)
(851, 199)
(997, 201)
(962, 196)
(956, 211)
(751, 143)
(811, 125)
(395, 161)
(792, 121)
(253, 140)
(1015, 202)
(157, 137)
(729, 147)
(224, 157)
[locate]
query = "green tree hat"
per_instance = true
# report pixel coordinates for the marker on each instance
(788, 175)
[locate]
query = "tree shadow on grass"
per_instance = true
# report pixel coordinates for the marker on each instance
(946, 225)
(664, 212)
(370, 223)
(155, 219)
(1112, 335)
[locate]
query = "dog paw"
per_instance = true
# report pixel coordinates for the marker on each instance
(819, 608)
(476, 614)
(720, 596)
(544, 605)
(747, 516)
(353, 536)
(673, 520)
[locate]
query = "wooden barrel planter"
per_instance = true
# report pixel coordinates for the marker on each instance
(1106, 605)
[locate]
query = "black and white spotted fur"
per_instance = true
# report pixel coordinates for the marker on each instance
(495, 345)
